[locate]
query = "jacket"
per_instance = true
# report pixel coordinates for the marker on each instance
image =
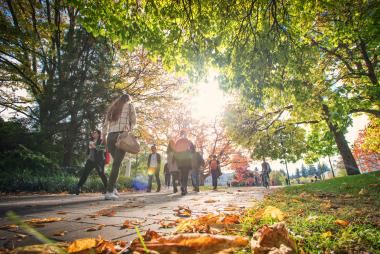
(158, 160)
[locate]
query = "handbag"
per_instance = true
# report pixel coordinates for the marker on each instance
(128, 143)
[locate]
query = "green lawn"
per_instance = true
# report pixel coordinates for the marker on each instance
(312, 211)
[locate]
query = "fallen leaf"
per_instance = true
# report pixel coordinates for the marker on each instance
(79, 218)
(326, 234)
(170, 224)
(270, 212)
(106, 247)
(60, 233)
(106, 213)
(82, 244)
(342, 222)
(21, 236)
(348, 196)
(363, 192)
(229, 209)
(211, 201)
(43, 220)
(273, 239)
(191, 243)
(183, 211)
(326, 205)
(95, 228)
(9, 227)
(62, 212)
(374, 185)
(41, 248)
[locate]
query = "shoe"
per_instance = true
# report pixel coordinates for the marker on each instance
(183, 191)
(175, 190)
(76, 190)
(110, 196)
(116, 192)
(148, 191)
(158, 189)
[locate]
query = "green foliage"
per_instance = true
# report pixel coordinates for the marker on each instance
(278, 177)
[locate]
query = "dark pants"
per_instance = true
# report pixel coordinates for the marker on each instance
(183, 160)
(215, 175)
(150, 179)
(175, 179)
(195, 178)
(90, 165)
(117, 156)
(167, 180)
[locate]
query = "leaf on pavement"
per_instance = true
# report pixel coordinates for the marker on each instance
(106, 247)
(165, 224)
(43, 220)
(106, 213)
(191, 244)
(273, 239)
(60, 233)
(183, 211)
(95, 228)
(131, 224)
(62, 212)
(82, 244)
(228, 209)
(9, 227)
(211, 201)
(342, 222)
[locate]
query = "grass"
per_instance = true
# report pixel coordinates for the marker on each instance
(312, 211)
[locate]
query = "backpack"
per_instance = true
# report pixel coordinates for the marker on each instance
(214, 165)
(182, 145)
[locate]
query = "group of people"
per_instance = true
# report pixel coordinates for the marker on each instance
(182, 157)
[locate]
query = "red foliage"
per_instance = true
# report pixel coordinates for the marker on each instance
(368, 161)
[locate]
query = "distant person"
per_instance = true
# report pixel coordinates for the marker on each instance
(154, 165)
(95, 159)
(167, 175)
(120, 117)
(316, 178)
(265, 169)
(183, 156)
(215, 171)
(172, 165)
(197, 164)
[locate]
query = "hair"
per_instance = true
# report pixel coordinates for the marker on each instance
(153, 146)
(99, 133)
(114, 111)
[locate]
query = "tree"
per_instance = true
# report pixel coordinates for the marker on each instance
(304, 171)
(312, 171)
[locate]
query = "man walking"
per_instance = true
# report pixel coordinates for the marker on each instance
(265, 173)
(197, 163)
(154, 165)
(215, 171)
(183, 158)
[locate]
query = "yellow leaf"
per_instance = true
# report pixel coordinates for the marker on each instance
(363, 192)
(82, 244)
(326, 234)
(43, 220)
(271, 212)
(210, 201)
(342, 222)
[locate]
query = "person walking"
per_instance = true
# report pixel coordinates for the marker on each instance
(95, 159)
(183, 157)
(172, 165)
(167, 175)
(266, 169)
(215, 171)
(120, 117)
(196, 164)
(154, 165)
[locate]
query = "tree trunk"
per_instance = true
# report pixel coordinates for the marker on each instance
(332, 169)
(344, 150)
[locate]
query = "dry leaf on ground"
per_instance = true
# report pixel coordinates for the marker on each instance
(229, 209)
(273, 239)
(95, 228)
(191, 244)
(363, 192)
(326, 205)
(82, 244)
(211, 201)
(342, 222)
(9, 227)
(62, 212)
(43, 220)
(41, 248)
(131, 224)
(106, 212)
(167, 224)
(183, 211)
(60, 233)
(270, 212)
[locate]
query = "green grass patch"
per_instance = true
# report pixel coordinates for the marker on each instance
(312, 211)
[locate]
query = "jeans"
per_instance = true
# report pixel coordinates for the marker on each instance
(215, 175)
(195, 178)
(175, 179)
(117, 156)
(167, 179)
(90, 165)
(150, 179)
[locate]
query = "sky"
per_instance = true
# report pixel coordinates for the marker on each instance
(210, 101)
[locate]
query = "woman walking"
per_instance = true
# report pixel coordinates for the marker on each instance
(120, 117)
(95, 159)
(172, 165)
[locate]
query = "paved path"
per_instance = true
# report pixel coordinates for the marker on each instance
(148, 209)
